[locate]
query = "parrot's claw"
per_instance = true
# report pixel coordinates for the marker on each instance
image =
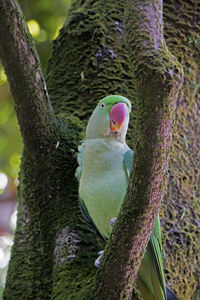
(98, 260)
(112, 221)
(100, 253)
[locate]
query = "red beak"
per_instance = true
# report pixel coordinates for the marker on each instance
(117, 116)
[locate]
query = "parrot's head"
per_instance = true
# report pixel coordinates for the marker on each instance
(110, 118)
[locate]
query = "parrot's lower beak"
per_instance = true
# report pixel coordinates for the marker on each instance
(118, 115)
(115, 127)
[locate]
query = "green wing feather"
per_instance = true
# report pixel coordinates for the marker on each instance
(78, 176)
(83, 208)
(156, 249)
(80, 162)
(128, 162)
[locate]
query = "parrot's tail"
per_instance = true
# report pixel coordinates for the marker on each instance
(170, 294)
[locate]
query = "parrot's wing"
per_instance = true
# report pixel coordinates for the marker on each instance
(89, 220)
(80, 162)
(156, 248)
(78, 177)
(83, 208)
(151, 281)
(128, 161)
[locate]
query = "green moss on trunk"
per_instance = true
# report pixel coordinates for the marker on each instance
(181, 209)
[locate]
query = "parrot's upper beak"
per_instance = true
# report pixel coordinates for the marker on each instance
(118, 115)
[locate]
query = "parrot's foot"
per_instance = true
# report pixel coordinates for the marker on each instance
(112, 221)
(98, 260)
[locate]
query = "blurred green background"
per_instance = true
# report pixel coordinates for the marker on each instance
(44, 19)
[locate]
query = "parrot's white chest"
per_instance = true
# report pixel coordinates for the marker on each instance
(103, 181)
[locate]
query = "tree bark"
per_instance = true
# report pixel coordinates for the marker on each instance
(96, 54)
(181, 207)
(157, 80)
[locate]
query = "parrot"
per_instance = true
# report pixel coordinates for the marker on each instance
(105, 162)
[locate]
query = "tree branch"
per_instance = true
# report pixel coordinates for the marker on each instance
(157, 79)
(27, 84)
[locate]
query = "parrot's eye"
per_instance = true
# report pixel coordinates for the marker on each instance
(103, 105)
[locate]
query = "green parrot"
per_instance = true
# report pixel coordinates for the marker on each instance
(105, 162)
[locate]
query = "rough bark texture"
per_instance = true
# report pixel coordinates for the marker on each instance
(54, 251)
(181, 208)
(157, 78)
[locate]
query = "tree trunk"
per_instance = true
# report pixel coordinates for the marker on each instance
(181, 207)
(156, 77)
(54, 250)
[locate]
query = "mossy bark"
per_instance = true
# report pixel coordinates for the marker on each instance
(181, 207)
(157, 77)
(54, 250)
